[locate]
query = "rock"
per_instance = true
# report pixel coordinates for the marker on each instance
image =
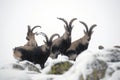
(60, 68)
(117, 46)
(17, 66)
(25, 66)
(100, 47)
(32, 67)
(99, 68)
(114, 55)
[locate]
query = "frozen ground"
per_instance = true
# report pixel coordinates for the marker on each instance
(84, 65)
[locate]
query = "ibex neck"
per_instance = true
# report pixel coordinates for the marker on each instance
(45, 48)
(32, 43)
(66, 36)
(84, 40)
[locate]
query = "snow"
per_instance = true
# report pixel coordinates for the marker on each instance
(9, 74)
(80, 64)
(115, 76)
(84, 65)
(18, 14)
(50, 62)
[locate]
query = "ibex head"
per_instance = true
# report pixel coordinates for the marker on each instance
(88, 32)
(30, 34)
(48, 41)
(68, 26)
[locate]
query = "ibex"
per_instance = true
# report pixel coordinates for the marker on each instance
(81, 44)
(31, 38)
(61, 44)
(38, 55)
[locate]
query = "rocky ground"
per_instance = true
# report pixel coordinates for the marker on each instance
(103, 64)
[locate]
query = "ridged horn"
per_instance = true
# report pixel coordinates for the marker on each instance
(70, 23)
(62, 19)
(35, 27)
(51, 38)
(86, 27)
(43, 34)
(91, 28)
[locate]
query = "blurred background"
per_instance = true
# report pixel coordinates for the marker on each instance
(15, 15)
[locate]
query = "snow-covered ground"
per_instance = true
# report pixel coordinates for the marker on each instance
(107, 60)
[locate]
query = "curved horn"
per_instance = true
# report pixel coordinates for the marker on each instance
(91, 28)
(70, 23)
(43, 34)
(28, 32)
(29, 29)
(84, 25)
(64, 21)
(35, 27)
(51, 38)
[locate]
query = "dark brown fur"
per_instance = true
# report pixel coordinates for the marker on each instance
(61, 44)
(81, 44)
(37, 55)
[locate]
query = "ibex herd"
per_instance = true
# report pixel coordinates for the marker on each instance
(62, 45)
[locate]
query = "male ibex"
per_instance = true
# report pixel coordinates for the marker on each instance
(31, 37)
(61, 44)
(38, 55)
(81, 44)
